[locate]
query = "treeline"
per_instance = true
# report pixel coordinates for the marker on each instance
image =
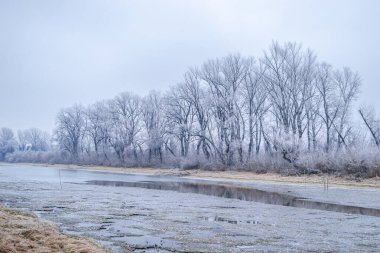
(285, 111)
(32, 139)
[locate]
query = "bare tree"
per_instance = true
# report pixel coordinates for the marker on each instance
(197, 96)
(329, 95)
(348, 84)
(126, 124)
(373, 125)
(8, 142)
(314, 123)
(33, 139)
(153, 123)
(277, 83)
(255, 98)
(22, 140)
(224, 78)
(288, 81)
(98, 127)
(70, 129)
(179, 116)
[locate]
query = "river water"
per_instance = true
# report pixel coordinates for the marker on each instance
(138, 213)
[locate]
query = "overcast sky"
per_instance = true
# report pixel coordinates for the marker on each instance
(56, 53)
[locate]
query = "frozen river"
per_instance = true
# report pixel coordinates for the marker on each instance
(167, 214)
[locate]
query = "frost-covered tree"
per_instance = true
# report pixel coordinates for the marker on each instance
(153, 122)
(224, 78)
(98, 127)
(33, 139)
(70, 129)
(255, 101)
(288, 80)
(371, 122)
(179, 117)
(126, 115)
(329, 94)
(229, 111)
(196, 94)
(278, 86)
(8, 142)
(348, 84)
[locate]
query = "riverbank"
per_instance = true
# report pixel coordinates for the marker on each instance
(173, 218)
(23, 232)
(232, 175)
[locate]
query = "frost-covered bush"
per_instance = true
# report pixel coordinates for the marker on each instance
(289, 145)
(362, 163)
(356, 162)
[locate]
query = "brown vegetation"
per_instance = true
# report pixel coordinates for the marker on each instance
(24, 232)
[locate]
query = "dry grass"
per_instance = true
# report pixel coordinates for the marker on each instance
(302, 179)
(24, 232)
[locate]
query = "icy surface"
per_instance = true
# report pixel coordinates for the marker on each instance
(148, 220)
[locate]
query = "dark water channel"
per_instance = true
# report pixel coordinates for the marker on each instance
(242, 193)
(138, 213)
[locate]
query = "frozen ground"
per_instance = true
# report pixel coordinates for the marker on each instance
(150, 220)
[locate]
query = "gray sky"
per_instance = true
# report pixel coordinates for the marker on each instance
(55, 53)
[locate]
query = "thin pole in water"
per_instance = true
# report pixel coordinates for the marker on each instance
(60, 182)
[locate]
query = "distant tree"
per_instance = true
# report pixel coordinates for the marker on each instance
(98, 127)
(23, 143)
(8, 142)
(153, 122)
(33, 139)
(70, 129)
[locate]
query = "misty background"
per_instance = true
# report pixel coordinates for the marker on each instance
(57, 53)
